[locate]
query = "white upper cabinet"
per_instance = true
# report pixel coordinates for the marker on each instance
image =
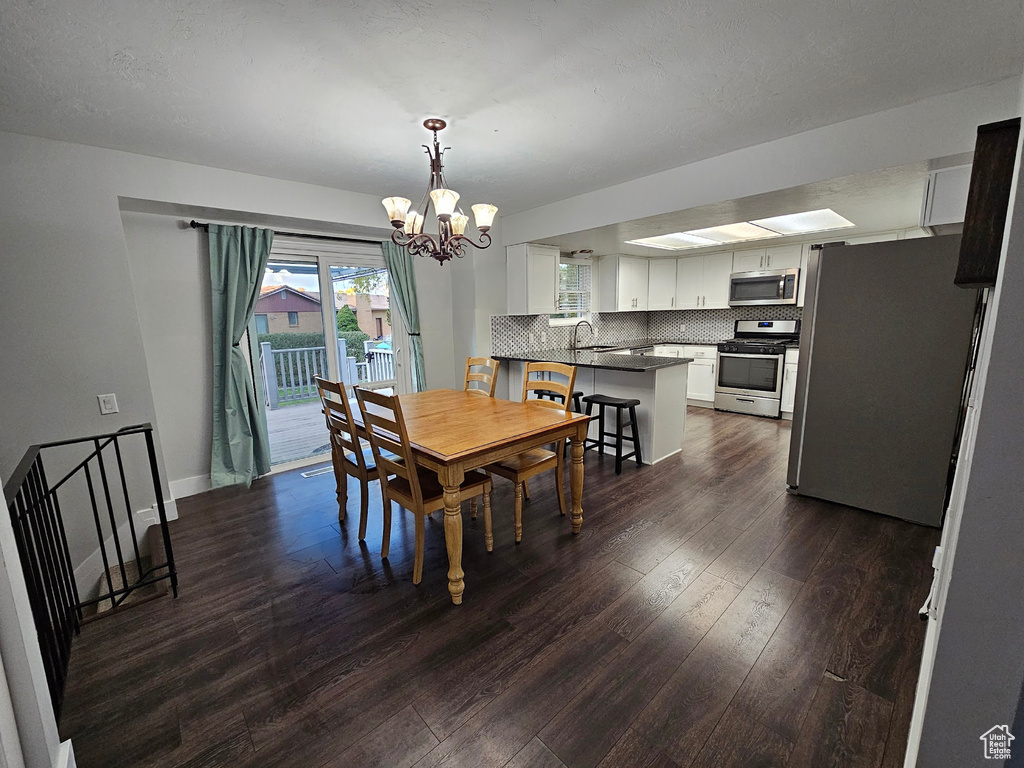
(783, 256)
(702, 282)
(749, 261)
(945, 198)
(717, 269)
(623, 283)
(805, 254)
(689, 282)
(760, 259)
(532, 279)
(661, 284)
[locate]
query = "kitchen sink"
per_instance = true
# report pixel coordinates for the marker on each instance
(594, 348)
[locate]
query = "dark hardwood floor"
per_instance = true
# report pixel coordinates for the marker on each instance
(703, 617)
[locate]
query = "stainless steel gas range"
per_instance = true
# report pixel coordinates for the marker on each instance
(751, 367)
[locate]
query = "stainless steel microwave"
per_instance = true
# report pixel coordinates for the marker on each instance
(774, 286)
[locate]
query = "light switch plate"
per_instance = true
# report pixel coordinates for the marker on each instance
(108, 404)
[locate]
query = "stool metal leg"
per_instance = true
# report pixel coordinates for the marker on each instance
(636, 435)
(618, 441)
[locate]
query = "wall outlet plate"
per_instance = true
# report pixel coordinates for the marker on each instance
(108, 404)
(682, 328)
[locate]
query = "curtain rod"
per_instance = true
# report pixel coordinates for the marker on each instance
(205, 225)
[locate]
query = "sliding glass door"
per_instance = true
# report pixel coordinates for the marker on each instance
(324, 310)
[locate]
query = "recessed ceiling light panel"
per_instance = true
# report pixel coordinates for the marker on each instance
(821, 220)
(734, 233)
(677, 241)
(803, 223)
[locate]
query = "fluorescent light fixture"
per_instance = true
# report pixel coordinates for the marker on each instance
(805, 223)
(821, 220)
(734, 233)
(677, 241)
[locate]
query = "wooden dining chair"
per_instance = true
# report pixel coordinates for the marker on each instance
(481, 382)
(347, 454)
(415, 488)
(520, 468)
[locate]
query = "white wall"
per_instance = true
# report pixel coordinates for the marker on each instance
(935, 127)
(978, 671)
(170, 273)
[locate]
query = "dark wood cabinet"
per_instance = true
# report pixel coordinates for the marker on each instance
(987, 201)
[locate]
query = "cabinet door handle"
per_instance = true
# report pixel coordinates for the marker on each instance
(672, 301)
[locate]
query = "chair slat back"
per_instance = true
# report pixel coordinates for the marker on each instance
(548, 385)
(386, 431)
(338, 414)
(481, 382)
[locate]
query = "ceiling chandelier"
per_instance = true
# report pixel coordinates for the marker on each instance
(451, 238)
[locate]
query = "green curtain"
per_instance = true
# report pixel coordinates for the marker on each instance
(403, 290)
(241, 450)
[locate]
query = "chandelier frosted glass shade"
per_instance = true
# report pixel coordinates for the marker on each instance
(396, 207)
(451, 238)
(444, 201)
(484, 214)
(413, 224)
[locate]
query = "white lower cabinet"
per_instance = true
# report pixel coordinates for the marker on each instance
(700, 380)
(789, 381)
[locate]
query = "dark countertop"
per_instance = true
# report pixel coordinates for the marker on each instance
(606, 360)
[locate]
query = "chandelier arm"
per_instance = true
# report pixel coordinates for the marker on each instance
(485, 240)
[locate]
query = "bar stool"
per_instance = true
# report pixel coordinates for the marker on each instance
(619, 404)
(577, 406)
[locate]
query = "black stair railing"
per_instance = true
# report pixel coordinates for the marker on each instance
(41, 535)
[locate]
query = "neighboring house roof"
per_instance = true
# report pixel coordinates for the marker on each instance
(284, 298)
(267, 290)
(377, 301)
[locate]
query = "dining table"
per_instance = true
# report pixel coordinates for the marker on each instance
(452, 432)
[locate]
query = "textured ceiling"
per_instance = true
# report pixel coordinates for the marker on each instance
(544, 99)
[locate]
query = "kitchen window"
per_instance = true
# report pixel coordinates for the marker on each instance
(573, 301)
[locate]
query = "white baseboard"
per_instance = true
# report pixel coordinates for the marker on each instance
(65, 756)
(190, 486)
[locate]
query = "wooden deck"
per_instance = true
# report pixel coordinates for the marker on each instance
(704, 618)
(297, 432)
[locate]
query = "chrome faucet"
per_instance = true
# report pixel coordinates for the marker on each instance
(576, 330)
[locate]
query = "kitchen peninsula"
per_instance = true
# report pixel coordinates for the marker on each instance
(659, 383)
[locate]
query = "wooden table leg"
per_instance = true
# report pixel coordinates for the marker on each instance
(576, 477)
(451, 478)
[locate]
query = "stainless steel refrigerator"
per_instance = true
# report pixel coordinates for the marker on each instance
(884, 351)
